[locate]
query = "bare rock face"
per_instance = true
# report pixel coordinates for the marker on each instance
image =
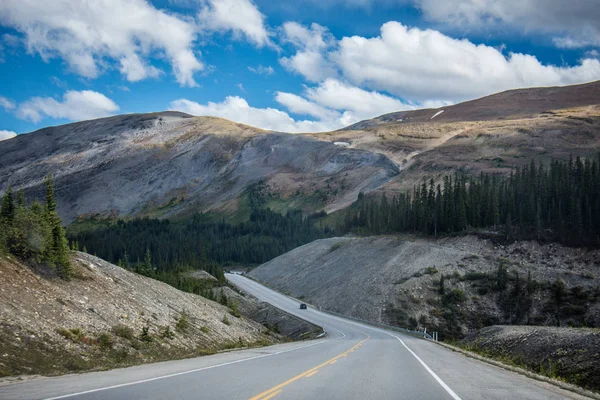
(163, 164)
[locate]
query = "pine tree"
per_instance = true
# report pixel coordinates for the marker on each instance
(8, 205)
(442, 288)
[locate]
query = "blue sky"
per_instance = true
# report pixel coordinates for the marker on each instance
(284, 65)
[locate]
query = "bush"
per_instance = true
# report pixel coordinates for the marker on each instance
(145, 336)
(123, 331)
(205, 330)
(166, 332)
(336, 246)
(455, 296)
(234, 309)
(105, 341)
(226, 320)
(183, 323)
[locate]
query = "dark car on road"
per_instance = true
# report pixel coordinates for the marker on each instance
(303, 306)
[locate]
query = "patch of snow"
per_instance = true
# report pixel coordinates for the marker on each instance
(343, 144)
(436, 114)
(400, 119)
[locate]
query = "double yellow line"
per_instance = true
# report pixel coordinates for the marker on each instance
(275, 390)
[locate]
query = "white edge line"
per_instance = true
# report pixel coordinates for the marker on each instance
(181, 373)
(437, 378)
(433, 374)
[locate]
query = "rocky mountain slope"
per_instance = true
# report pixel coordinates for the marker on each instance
(165, 164)
(492, 134)
(107, 317)
(396, 280)
(171, 164)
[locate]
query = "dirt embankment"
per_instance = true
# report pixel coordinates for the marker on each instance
(396, 280)
(107, 317)
(569, 354)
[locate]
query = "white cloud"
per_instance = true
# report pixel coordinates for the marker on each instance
(7, 104)
(87, 34)
(7, 135)
(333, 104)
(261, 70)
(576, 22)
(426, 65)
(241, 17)
(75, 106)
(311, 44)
(302, 106)
(237, 109)
(241, 87)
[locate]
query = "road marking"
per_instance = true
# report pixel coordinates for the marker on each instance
(433, 374)
(333, 362)
(182, 373)
(437, 378)
(311, 374)
(262, 396)
(272, 395)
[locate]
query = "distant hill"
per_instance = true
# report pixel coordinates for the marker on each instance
(507, 104)
(172, 165)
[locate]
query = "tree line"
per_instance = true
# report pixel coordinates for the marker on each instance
(34, 233)
(165, 249)
(560, 202)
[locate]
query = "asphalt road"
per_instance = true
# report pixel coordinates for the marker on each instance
(353, 361)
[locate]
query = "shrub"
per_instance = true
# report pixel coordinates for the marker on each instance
(336, 246)
(205, 330)
(183, 323)
(234, 309)
(455, 296)
(226, 320)
(105, 341)
(145, 336)
(166, 332)
(65, 333)
(123, 331)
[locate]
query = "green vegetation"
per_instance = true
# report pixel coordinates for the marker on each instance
(123, 331)
(34, 233)
(183, 323)
(560, 202)
(168, 251)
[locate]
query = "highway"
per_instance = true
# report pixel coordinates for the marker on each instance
(353, 361)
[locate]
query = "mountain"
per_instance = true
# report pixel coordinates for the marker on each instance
(172, 165)
(168, 164)
(492, 134)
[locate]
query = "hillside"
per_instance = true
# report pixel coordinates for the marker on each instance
(168, 164)
(492, 134)
(396, 280)
(107, 317)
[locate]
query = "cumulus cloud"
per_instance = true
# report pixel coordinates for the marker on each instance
(75, 106)
(241, 17)
(426, 64)
(312, 44)
(86, 34)
(576, 22)
(260, 70)
(7, 104)
(332, 104)
(4, 135)
(237, 109)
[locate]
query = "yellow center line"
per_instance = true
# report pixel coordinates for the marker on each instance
(273, 395)
(267, 394)
(311, 374)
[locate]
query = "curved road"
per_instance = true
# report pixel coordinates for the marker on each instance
(354, 361)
